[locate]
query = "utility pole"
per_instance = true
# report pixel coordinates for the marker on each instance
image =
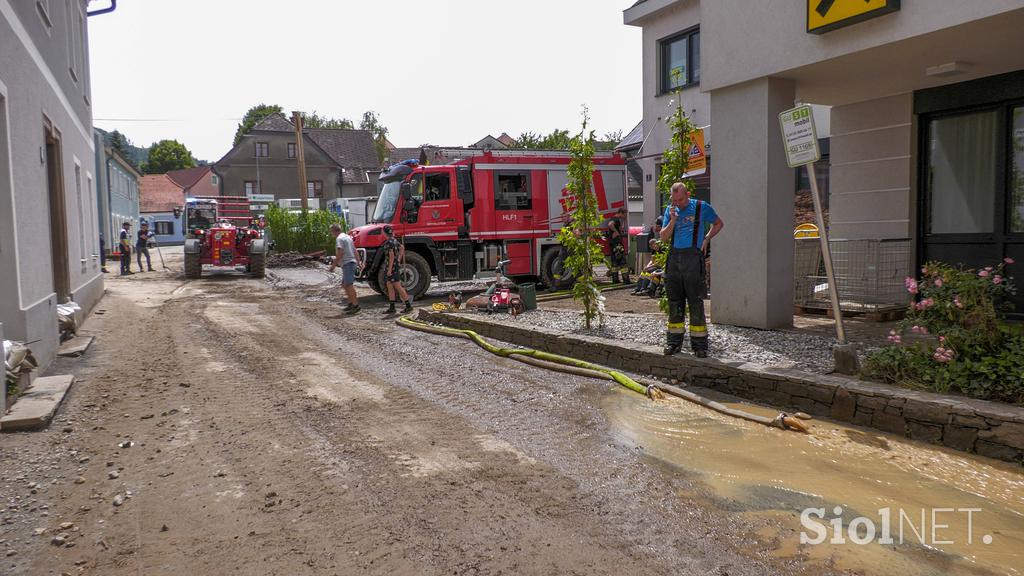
(300, 154)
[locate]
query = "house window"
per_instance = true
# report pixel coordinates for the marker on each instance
(262, 150)
(962, 173)
(72, 40)
(252, 187)
(291, 149)
(315, 189)
(163, 228)
(512, 191)
(213, 179)
(680, 61)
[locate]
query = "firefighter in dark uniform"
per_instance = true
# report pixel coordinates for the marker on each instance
(683, 231)
(614, 236)
(394, 254)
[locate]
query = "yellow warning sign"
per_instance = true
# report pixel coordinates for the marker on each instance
(697, 160)
(827, 15)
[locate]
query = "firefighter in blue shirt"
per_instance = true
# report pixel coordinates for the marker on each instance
(683, 231)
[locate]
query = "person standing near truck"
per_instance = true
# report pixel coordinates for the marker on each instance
(345, 255)
(683, 232)
(126, 249)
(142, 246)
(617, 251)
(394, 253)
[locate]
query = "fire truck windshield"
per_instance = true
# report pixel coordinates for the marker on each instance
(386, 203)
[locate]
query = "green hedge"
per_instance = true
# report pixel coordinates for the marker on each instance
(304, 232)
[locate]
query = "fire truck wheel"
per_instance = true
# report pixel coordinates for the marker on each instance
(193, 268)
(371, 279)
(552, 272)
(257, 265)
(415, 275)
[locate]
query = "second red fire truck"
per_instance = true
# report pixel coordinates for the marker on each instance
(459, 219)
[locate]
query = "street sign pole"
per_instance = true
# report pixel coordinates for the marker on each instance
(801, 142)
(826, 253)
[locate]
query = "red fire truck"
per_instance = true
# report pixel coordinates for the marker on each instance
(462, 218)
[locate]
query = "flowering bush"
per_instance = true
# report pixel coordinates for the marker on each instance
(960, 342)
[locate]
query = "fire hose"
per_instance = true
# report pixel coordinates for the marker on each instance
(566, 364)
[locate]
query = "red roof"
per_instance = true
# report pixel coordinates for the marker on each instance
(158, 193)
(186, 177)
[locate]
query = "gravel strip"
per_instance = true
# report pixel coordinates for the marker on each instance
(768, 347)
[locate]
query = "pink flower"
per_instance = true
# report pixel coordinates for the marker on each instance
(1008, 260)
(957, 302)
(983, 273)
(943, 354)
(894, 338)
(989, 268)
(915, 329)
(997, 279)
(938, 282)
(942, 339)
(924, 329)
(924, 270)
(911, 285)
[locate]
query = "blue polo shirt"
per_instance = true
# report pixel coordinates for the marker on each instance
(682, 236)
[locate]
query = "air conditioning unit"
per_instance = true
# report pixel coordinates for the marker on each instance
(296, 203)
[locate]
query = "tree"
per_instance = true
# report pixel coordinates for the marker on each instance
(581, 233)
(314, 120)
(556, 140)
(380, 133)
(254, 116)
(609, 141)
(167, 155)
(674, 163)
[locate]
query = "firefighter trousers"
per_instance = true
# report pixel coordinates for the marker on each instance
(684, 286)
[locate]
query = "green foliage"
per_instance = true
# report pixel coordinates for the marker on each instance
(254, 116)
(303, 232)
(167, 155)
(960, 343)
(581, 233)
(314, 120)
(380, 133)
(609, 141)
(556, 140)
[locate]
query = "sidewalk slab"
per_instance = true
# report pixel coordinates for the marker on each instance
(36, 407)
(75, 347)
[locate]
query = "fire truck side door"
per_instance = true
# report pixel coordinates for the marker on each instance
(441, 208)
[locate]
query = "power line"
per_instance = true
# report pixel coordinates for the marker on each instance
(161, 119)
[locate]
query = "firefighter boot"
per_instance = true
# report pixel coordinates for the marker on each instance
(673, 343)
(699, 346)
(390, 309)
(676, 330)
(408, 307)
(615, 277)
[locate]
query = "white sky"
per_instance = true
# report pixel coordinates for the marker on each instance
(445, 72)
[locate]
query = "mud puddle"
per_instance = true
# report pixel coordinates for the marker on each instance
(959, 514)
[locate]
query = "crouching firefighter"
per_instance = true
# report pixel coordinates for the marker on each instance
(683, 231)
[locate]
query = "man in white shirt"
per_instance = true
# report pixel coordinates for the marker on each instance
(345, 255)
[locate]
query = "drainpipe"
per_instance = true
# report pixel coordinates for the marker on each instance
(108, 9)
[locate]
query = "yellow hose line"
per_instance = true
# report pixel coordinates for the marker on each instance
(511, 352)
(568, 293)
(581, 368)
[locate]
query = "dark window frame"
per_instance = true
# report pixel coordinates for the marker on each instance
(447, 190)
(160, 228)
(255, 187)
(291, 150)
(664, 44)
(261, 146)
(498, 174)
(318, 189)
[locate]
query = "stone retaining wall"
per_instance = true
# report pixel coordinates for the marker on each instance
(987, 428)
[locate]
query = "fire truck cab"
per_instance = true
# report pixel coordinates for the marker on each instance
(460, 219)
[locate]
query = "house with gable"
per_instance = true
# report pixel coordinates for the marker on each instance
(340, 163)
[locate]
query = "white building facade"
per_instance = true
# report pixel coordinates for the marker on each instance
(926, 102)
(49, 235)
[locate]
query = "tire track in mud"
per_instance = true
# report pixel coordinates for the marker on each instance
(571, 425)
(465, 469)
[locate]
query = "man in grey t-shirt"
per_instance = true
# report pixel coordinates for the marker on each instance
(345, 255)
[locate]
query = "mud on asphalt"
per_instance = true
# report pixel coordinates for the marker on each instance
(270, 434)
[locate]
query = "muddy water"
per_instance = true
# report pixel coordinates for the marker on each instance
(751, 469)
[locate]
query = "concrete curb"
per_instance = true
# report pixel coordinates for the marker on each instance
(36, 407)
(990, 429)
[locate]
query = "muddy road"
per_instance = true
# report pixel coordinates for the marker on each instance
(271, 434)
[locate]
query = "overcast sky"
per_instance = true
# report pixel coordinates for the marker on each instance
(446, 72)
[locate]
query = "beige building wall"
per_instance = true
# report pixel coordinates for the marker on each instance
(872, 169)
